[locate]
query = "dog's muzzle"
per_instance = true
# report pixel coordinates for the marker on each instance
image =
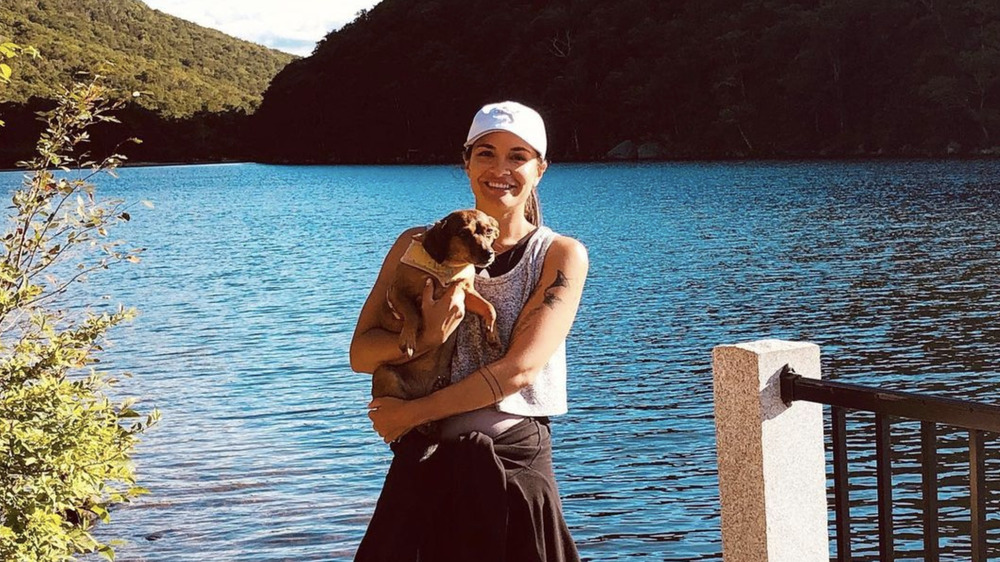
(490, 256)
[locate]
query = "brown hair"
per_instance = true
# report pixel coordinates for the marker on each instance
(533, 208)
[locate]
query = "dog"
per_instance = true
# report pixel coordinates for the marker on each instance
(447, 253)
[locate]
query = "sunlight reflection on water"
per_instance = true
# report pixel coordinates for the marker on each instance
(254, 275)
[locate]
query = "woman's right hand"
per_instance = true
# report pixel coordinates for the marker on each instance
(440, 316)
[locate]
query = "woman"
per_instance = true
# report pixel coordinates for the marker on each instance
(488, 492)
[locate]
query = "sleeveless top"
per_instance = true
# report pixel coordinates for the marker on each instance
(508, 293)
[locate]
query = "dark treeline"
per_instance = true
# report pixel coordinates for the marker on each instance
(626, 79)
(679, 79)
(201, 137)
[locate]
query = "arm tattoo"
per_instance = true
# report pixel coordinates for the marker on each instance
(561, 280)
(550, 296)
(550, 300)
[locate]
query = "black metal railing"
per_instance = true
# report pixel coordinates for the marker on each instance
(977, 418)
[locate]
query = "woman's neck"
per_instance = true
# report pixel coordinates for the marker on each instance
(513, 227)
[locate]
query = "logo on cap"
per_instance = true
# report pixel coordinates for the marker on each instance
(502, 115)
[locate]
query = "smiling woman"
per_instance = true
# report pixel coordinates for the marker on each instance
(502, 163)
(489, 484)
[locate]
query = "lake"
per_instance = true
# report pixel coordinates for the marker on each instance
(253, 277)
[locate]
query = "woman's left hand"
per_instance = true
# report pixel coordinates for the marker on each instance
(391, 417)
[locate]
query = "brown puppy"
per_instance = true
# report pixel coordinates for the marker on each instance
(447, 253)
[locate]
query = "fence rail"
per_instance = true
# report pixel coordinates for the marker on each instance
(931, 411)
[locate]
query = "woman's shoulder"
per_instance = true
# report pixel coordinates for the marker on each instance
(409, 233)
(566, 247)
(404, 237)
(567, 251)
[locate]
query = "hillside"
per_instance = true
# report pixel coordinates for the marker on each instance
(673, 79)
(183, 68)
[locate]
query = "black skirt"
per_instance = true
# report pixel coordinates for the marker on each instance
(475, 499)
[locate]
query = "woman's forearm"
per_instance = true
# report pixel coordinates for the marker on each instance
(377, 346)
(484, 387)
(392, 417)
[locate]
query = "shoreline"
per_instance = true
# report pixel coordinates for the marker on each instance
(719, 159)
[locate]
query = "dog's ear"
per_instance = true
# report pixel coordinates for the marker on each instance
(419, 237)
(435, 240)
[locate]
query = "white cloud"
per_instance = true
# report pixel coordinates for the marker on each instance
(293, 26)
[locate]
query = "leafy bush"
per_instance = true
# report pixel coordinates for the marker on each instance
(65, 445)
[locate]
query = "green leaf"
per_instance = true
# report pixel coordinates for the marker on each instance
(107, 552)
(5, 72)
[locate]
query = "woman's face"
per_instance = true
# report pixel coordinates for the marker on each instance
(503, 170)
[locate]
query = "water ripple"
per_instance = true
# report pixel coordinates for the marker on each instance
(254, 276)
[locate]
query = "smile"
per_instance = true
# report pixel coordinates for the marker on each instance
(499, 185)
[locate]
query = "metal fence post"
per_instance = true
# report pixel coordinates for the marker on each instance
(772, 468)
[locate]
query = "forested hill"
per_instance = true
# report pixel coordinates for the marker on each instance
(681, 78)
(182, 68)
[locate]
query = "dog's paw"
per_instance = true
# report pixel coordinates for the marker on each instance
(408, 344)
(493, 337)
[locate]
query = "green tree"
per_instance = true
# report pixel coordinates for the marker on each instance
(65, 445)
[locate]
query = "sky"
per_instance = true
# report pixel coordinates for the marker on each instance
(293, 26)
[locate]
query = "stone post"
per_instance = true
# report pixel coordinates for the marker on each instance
(772, 467)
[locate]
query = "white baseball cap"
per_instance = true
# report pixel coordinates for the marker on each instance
(512, 117)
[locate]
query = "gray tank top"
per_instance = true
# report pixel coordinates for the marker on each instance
(508, 293)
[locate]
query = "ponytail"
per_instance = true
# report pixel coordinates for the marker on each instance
(533, 208)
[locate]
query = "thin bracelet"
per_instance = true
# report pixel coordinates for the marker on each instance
(495, 381)
(498, 393)
(487, 381)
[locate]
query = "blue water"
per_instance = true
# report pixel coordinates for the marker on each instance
(253, 277)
